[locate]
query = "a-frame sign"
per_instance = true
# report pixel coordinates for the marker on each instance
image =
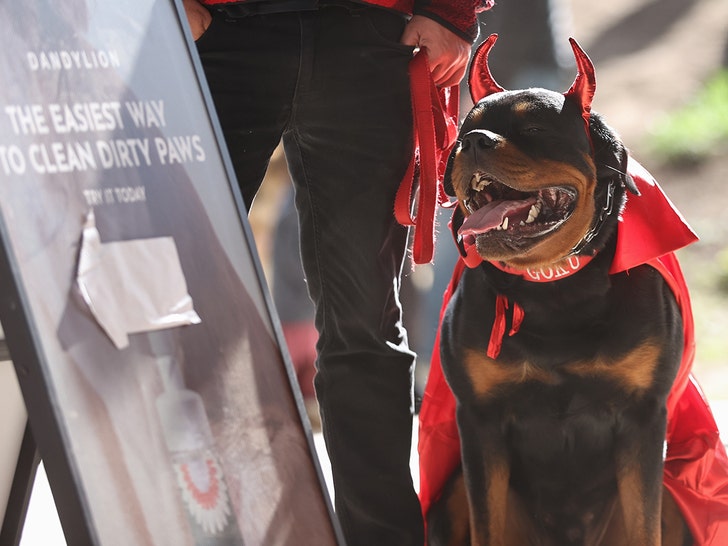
(144, 340)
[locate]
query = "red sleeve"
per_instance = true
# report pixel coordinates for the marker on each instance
(458, 16)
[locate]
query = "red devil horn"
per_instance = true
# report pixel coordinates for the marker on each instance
(480, 80)
(585, 84)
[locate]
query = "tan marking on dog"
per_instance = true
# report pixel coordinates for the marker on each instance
(496, 499)
(674, 530)
(634, 371)
(458, 514)
(554, 247)
(486, 374)
(640, 528)
(506, 163)
(522, 108)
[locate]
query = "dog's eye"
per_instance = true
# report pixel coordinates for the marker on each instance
(532, 130)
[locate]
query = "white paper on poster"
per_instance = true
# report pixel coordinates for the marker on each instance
(133, 286)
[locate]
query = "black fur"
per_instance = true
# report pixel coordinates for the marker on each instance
(576, 397)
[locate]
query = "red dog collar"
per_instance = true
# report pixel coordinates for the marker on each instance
(560, 270)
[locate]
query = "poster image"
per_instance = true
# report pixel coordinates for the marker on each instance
(132, 299)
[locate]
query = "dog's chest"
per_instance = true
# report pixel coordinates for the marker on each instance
(574, 339)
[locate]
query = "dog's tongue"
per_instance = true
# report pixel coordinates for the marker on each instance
(492, 215)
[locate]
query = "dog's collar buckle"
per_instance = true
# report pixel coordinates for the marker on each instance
(606, 211)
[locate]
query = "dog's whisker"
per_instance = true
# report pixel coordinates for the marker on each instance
(618, 171)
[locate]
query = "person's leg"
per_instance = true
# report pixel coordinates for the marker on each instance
(251, 66)
(348, 147)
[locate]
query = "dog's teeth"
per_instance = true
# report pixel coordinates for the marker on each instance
(533, 213)
(504, 225)
(478, 182)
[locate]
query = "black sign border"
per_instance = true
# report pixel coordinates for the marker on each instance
(44, 434)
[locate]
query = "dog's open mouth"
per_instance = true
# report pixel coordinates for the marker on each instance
(496, 207)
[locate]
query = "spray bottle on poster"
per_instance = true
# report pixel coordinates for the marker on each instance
(194, 459)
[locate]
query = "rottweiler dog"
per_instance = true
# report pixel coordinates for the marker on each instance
(560, 369)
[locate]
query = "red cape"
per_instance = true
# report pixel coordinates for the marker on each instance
(696, 465)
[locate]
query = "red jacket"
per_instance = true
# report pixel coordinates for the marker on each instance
(696, 465)
(456, 15)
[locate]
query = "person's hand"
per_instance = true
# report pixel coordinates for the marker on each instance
(198, 17)
(447, 52)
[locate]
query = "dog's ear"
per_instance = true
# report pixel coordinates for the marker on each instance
(610, 155)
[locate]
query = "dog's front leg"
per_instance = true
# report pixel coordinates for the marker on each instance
(639, 481)
(486, 471)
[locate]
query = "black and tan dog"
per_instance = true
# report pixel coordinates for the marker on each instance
(562, 408)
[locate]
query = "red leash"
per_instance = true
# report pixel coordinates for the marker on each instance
(435, 118)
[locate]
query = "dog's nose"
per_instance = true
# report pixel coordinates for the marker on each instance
(479, 139)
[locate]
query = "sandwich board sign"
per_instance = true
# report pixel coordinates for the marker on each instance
(144, 340)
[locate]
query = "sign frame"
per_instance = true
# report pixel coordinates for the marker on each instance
(26, 339)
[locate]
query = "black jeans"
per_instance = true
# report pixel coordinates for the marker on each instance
(333, 84)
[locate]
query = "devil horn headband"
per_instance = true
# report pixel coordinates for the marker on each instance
(480, 80)
(482, 84)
